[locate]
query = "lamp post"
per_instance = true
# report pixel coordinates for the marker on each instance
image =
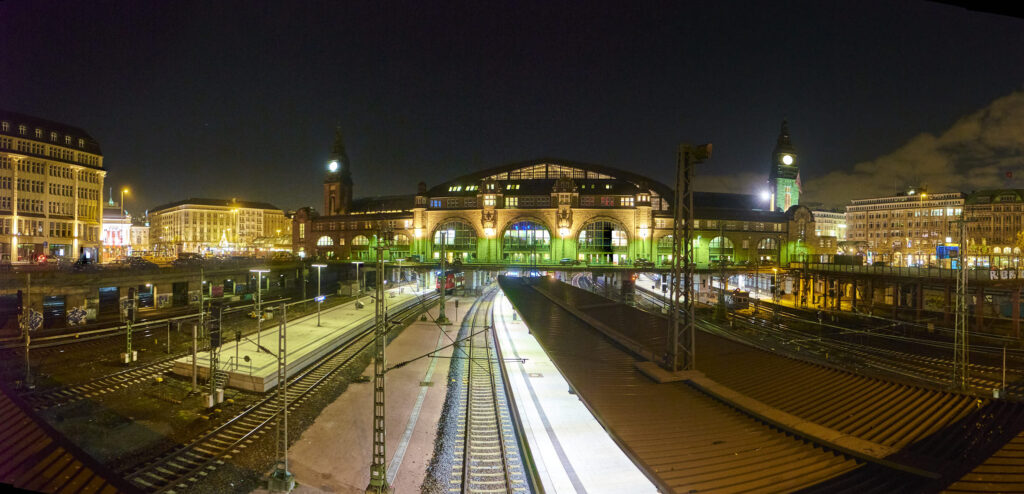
(359, 281)
(319, 297)
(259, 301)
(124, 190)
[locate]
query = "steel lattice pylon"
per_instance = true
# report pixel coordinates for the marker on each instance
(683, 338)
(282, 480)
(961, 357)
(379, 467)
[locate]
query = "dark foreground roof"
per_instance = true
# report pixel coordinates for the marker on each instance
(16, 119)
(216, 202)
(35, 457)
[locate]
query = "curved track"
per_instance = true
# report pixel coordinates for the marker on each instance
(180, 468)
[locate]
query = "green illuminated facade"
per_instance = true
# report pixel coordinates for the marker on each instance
(552, 213)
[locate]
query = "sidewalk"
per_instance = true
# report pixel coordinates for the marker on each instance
(333, 455)
(572, 451)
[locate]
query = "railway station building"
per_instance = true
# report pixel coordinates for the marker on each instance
(550, 212)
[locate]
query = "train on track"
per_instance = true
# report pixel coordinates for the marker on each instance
(452, 279)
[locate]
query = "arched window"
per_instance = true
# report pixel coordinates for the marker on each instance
(324, 241)
(458, 236)
(401, 239)
(720, 249)
(526, 236)
(602, 236)
(360, 240)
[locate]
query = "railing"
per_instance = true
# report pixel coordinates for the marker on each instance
(911, 272)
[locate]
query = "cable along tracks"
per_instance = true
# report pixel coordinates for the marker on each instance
(185, 465)
(486, 453)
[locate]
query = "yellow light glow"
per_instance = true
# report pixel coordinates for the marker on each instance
(643, 231)
(418, 232)
(563, 232)
(489, 232)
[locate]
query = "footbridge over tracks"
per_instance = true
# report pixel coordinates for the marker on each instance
(913, 293)
(753, 420)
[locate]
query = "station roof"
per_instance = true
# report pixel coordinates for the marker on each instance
(544, 171)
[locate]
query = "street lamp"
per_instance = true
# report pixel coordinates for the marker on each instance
(123, 192)
(319, 297)
(259, 301)
(359, 281)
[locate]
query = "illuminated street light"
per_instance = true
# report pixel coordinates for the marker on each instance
(123, 192)
(319, 297)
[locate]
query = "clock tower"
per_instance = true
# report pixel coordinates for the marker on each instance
(784, 178)
(338, 182)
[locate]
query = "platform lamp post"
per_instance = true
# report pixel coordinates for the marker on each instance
(259, 301)
(359, 281)
(319, 297)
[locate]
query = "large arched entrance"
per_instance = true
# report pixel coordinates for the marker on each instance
(603, 242)
(459, 240)
(526, 242)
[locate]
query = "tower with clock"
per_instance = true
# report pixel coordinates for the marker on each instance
(784, 178)
(338, 182)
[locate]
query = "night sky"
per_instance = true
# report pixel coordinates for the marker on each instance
(240, 99)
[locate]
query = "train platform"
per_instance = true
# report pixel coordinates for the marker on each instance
(248, 368)
(571, 450)
(333, 455)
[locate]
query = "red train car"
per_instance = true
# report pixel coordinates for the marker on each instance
(453, 280)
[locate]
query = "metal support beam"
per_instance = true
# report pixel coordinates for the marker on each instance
(379, 466)
(682, 339)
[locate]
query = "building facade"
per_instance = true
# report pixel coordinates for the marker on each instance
(51, 182)
(551, 212)
(830, 224)
(904, 229)
(213, 226)
(995, 222)
(140, 238)
(115, 234)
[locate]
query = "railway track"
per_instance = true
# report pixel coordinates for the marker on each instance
(44, 399)
(115, 381)
(185, 465)
(487, 459)
(928, 370)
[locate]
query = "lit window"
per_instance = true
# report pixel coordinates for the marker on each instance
(511, 202)
(39, 133)
(626, 202)
(6, 126)
(489, 200)
(53, 136)
(67, 140)
(81, 143)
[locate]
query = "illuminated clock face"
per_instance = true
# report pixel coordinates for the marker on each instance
(332, 166)
(787, 159)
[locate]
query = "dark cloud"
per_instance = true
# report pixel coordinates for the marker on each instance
(974, 153)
